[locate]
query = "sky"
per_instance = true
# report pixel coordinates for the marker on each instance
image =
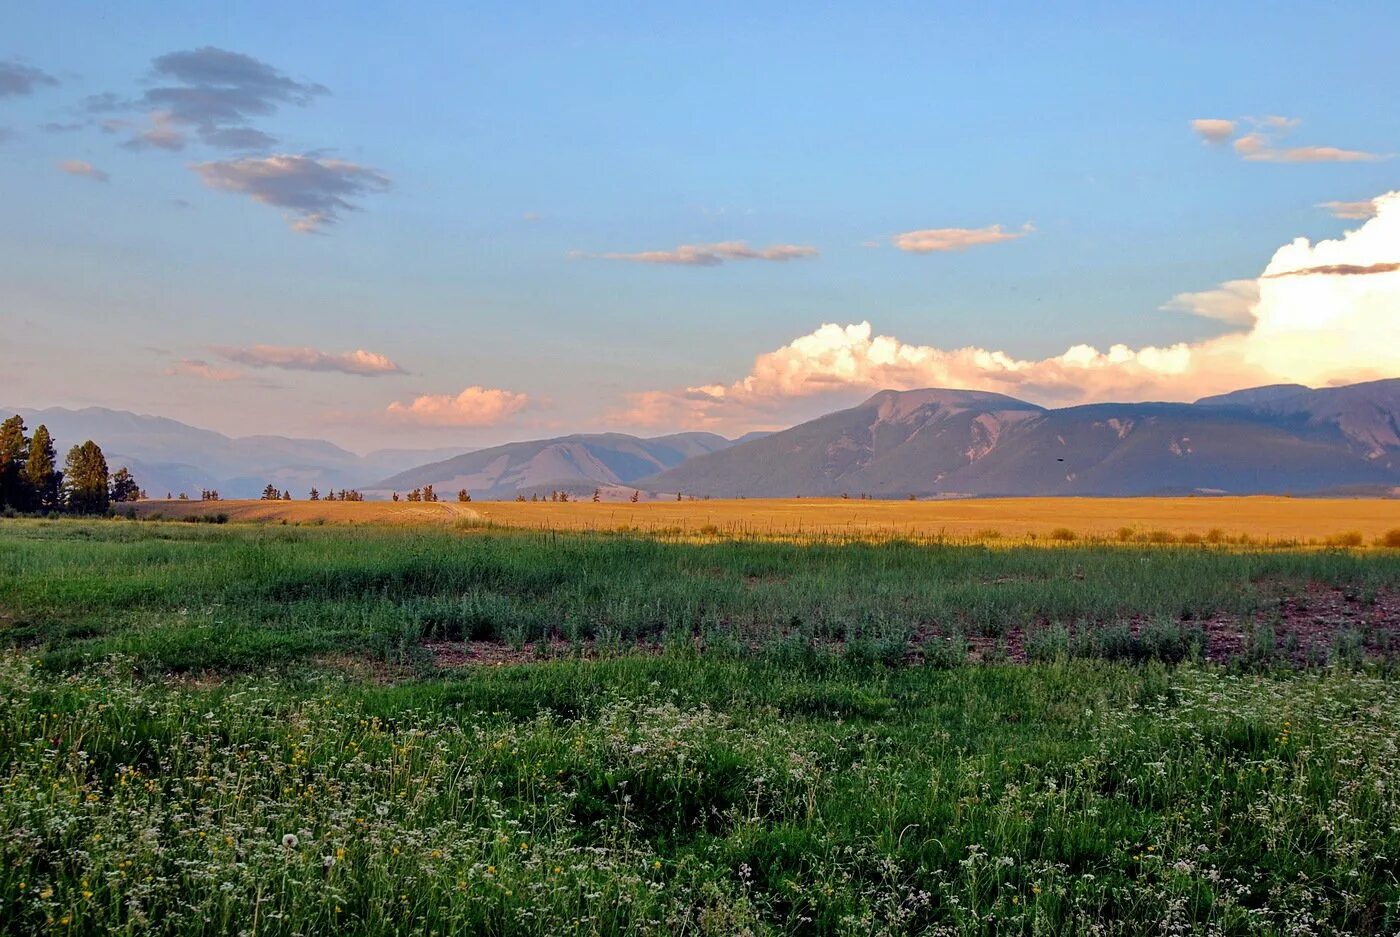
(464, 224)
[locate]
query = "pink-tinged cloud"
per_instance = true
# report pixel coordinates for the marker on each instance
(474, 406)
(360, 363)
(1332, 325)
(711, 255)
(1351, 211)
(78, 167)
(1262, 144)
(1213, 130)
(940, 240)
(204, 371)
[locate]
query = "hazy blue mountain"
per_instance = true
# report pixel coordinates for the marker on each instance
(169, 456)
(577, 463)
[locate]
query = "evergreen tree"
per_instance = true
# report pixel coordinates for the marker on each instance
(636, 496)
(41, 477)
(597, 495)
(14, 450)
(464, 495)
(429, 494)
(124, 487)
(270, 493)
(315, 495)
(85, 480)
(287, 495)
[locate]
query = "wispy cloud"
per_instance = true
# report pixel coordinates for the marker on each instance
(1351, 211)
(942, 240)
(217, 93)
(1263, 143)
(709, 255)
(315, 191)
(78, 167)
(204, 371)
(474, 406)
(17, 79)
(1338, 270)
(359, 363)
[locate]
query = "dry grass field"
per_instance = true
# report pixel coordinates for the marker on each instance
(1261, 519)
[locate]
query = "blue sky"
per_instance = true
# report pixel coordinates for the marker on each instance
(519, 143)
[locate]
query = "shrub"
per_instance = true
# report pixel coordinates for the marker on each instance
(1347, 538)
(1063, 533)
(1391, 538)
(1161, 536)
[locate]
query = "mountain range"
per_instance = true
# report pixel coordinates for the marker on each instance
(1280, 439)
(169, 456)
(577, 464)
(1283, 438)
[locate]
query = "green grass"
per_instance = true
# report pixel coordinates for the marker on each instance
(192, 597)
(765, 787)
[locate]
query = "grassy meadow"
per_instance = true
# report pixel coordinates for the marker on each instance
(211, 728)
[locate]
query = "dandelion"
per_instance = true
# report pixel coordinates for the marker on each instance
(289, 841)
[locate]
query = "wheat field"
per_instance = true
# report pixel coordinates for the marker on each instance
(1262, 519)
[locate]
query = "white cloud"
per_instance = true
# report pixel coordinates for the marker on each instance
(931, 240)
(78, 167)
(474, 406)
(1213, 130)
(711, 255)
(1232, 301)
(1325, 313)
(360, 363)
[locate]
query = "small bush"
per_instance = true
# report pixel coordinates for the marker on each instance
(1125, 534)
(1161, 536)
(1063, 533)
(1391, 538)
(1347, 538)
(1048, 643)
(1215, 535)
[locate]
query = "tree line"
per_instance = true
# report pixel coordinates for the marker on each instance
(32, 482)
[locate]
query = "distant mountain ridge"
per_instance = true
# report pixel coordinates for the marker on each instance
(947, 442)
(576, 463)
(166, 455)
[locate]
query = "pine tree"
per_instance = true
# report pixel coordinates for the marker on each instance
(429, 494)
(270, 493)
(40, 477)
(636, 496)
(124, 487)
(287, 495)
(597, 496)
(315, 495)
(14, 450)
(464, 495)
(85, 480)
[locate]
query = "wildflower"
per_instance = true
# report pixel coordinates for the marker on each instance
(289, 841)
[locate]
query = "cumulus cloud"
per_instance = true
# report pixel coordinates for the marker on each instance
(17, 79)
(1351, 211)
(1263, 142)
(359, 363)
(711, 255)
(474, 406)
(932, 240)
(78, 167)
(204, 371)
(1316, 329)
(1213, 130)
(1232, 301)
(314, 191)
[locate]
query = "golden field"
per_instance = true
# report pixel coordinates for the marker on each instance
(1268, 519)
